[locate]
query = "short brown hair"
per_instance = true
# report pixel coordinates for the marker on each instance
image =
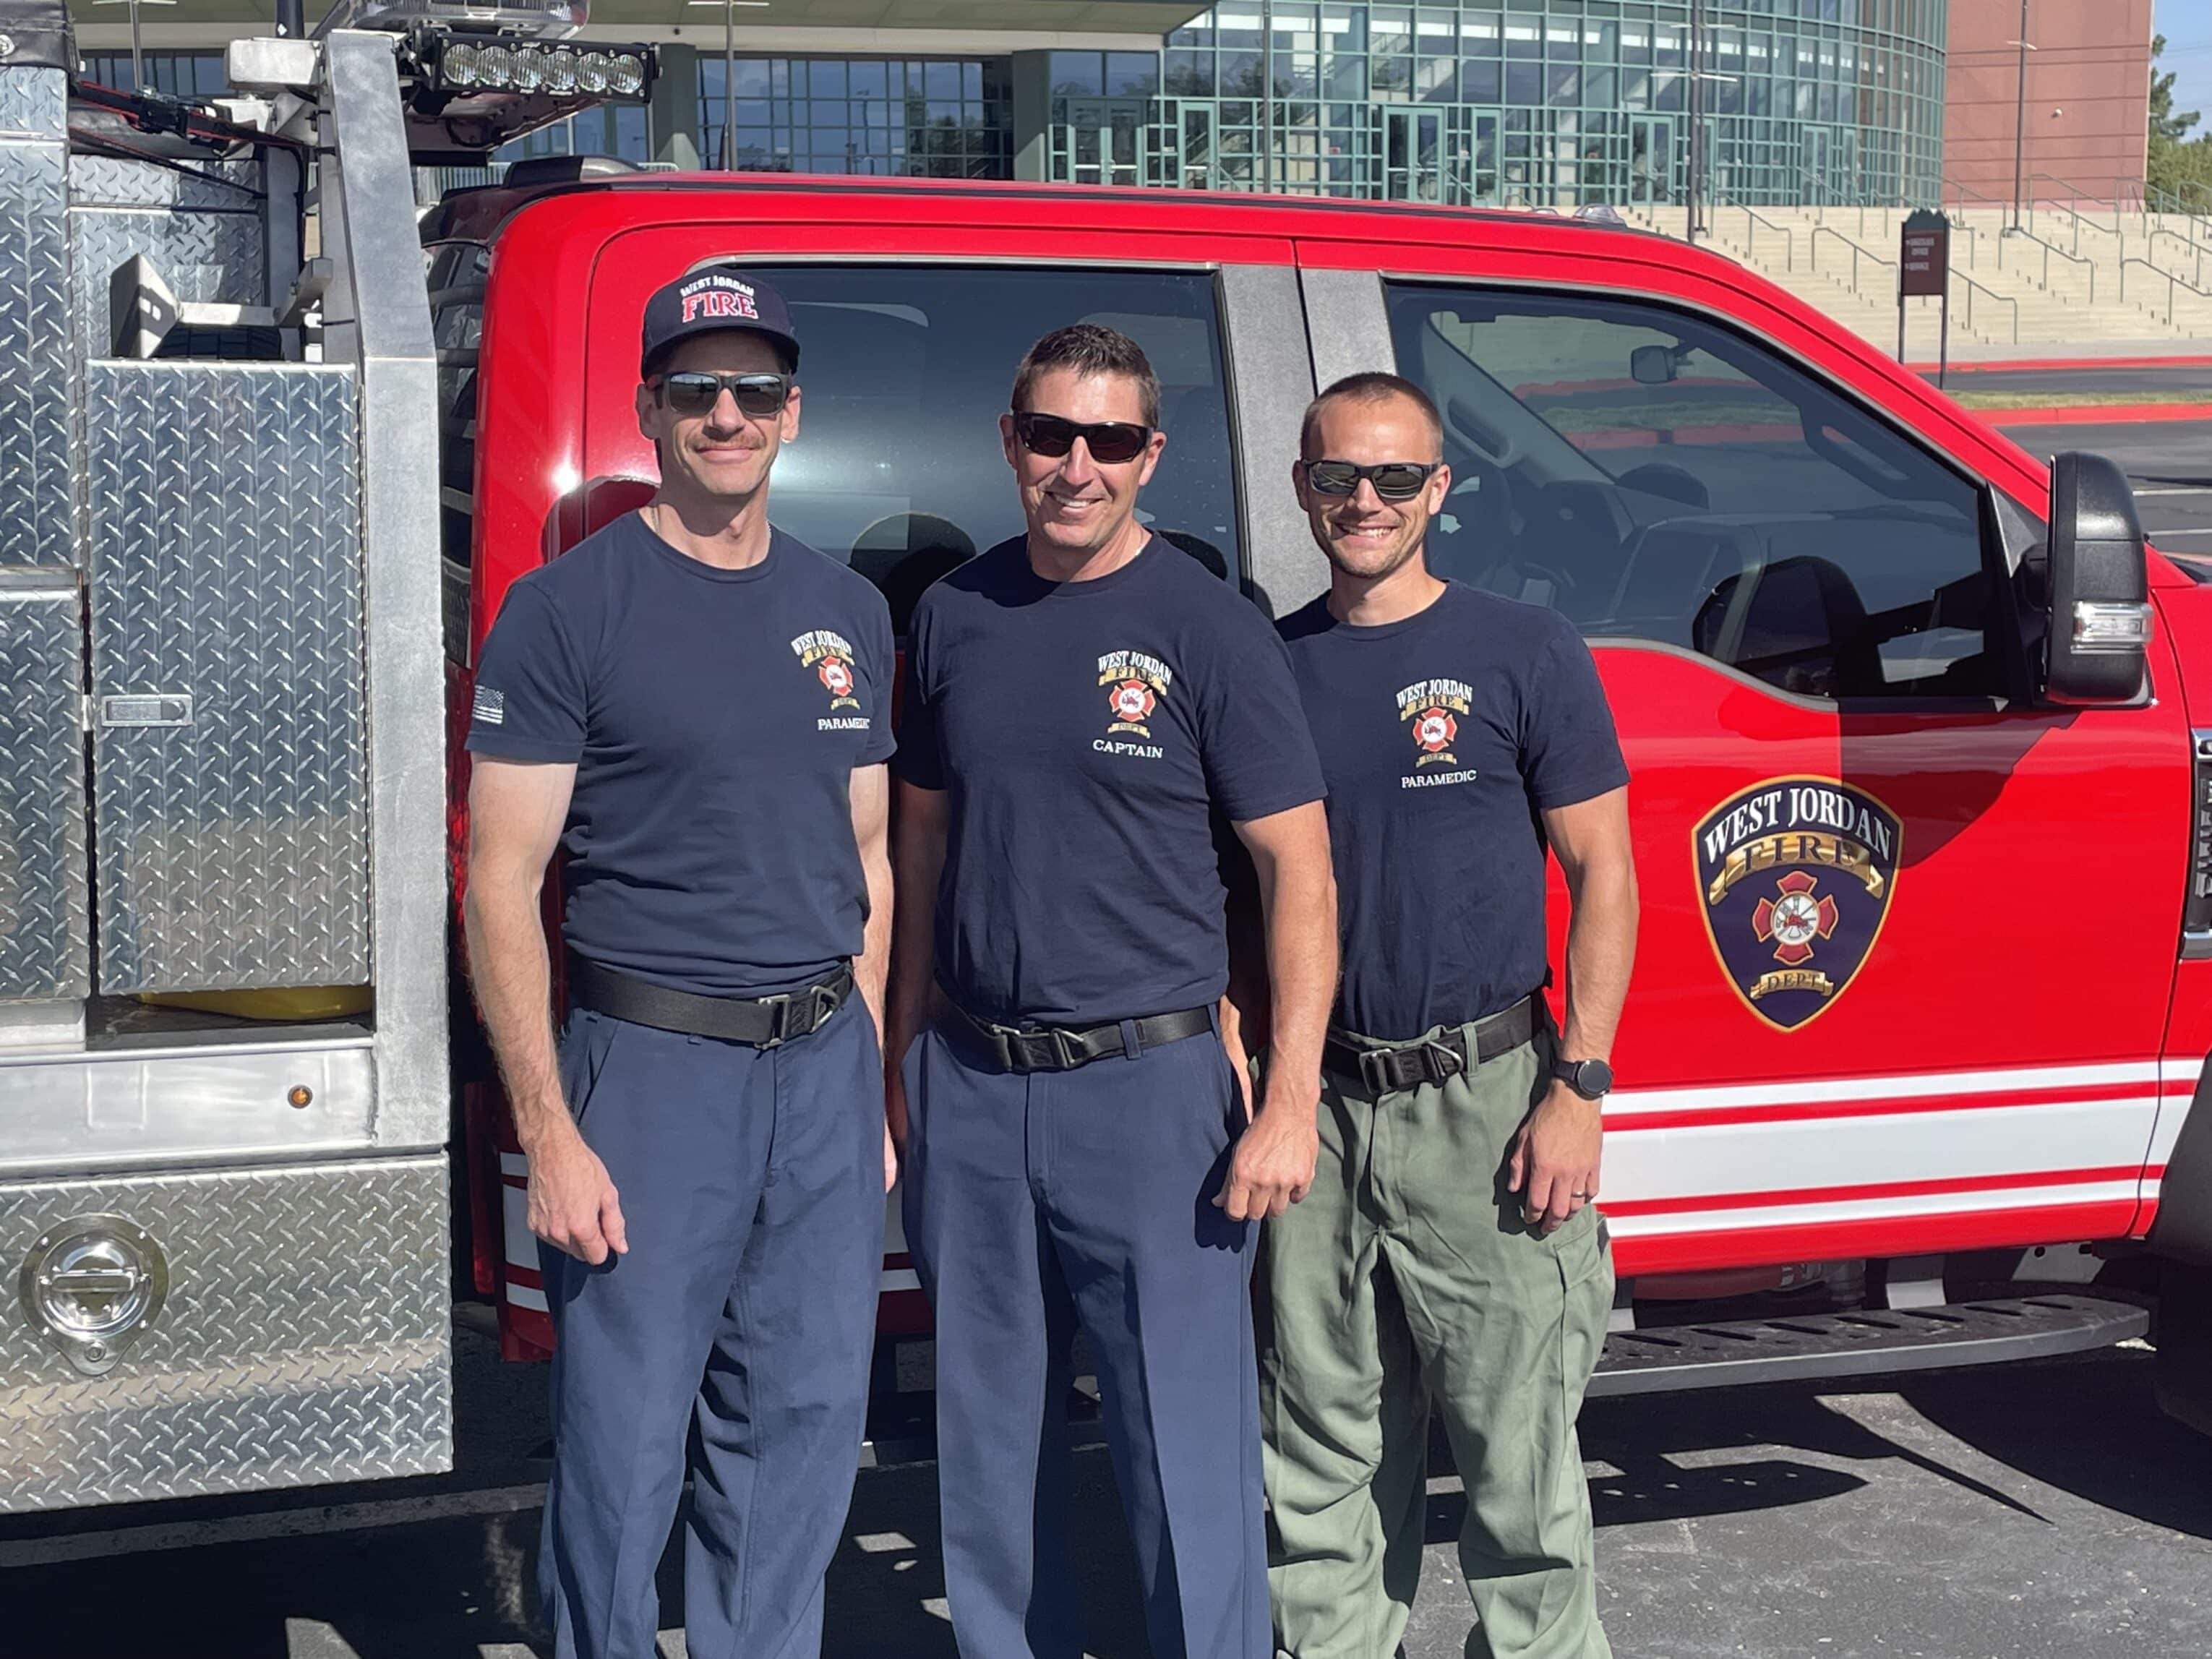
(1371, 387)
(1089, 349)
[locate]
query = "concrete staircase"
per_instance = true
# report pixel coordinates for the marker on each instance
(2067, 277)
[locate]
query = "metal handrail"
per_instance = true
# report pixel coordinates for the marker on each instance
(2173, 280)
(2193, 218)
(1973, 287)
(2049, 248)
(2079, 195)
(2074, 209)
(1819, 205)
(1857, 252)
(1789, 238)
(1966, 189)
(2196, 249)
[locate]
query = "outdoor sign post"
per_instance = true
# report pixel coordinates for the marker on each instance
(1923, 267)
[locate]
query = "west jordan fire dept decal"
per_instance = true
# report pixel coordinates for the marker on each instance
(1795, 875)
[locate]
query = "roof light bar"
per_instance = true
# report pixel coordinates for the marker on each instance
(461, 66)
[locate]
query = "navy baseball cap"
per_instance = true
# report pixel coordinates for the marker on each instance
(707, 299)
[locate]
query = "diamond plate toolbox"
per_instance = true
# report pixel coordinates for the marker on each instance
(305, 1338)
(36, 399)
(44, 944)
(204, 239)
(230, 756)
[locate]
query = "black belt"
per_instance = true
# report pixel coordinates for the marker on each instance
(763, 1022)
(1063, 1047)
(1385, 1070)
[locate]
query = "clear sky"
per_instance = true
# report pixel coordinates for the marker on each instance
(2187, 26)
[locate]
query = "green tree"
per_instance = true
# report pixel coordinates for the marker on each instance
(2164, 122)
(2175, 163)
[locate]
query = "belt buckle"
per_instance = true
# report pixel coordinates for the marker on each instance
(779, 1019)
(1445, 1062)
(1372, 1071)
(1029, 1050)
(1063, 1047)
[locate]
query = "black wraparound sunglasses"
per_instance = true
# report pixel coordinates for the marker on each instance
(1394, 481)
(694, 392)
(1111, 442)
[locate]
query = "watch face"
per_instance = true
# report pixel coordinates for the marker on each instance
(1589, 1078)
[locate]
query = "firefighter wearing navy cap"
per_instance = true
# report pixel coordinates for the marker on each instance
(1449, 1254)
(695, 708)
(1081, 701)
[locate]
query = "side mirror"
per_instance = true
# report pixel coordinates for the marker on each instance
(1651, 365)
(2099, 588)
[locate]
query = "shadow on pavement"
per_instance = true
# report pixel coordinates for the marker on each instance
(2060, 1427)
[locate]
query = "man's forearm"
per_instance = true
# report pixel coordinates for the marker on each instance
(513, 981)
(1600, 951)
(1298, 899)
(871, 968)
(919, 866)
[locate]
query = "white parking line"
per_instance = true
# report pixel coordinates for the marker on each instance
(2168, 535)
(2190, 489)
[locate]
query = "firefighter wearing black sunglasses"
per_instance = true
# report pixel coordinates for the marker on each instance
(1081, 701)
(1450, 1253)
(697, 707)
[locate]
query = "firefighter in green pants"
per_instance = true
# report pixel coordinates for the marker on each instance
(1448, 1254)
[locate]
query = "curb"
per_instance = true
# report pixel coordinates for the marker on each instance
(2093, 414)
(2018, 364)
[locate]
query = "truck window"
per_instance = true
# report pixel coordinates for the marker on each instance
(905, 373)
(456, 273)
(1654, 477)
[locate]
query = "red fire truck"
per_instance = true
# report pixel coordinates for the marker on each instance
(1867, 1027)
(1920, 731)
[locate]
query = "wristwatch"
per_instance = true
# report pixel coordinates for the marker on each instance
(1591, 1079)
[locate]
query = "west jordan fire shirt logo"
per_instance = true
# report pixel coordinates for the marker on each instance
(831, 659)
(1795, 876)
(1134, 685)
(1431, 710)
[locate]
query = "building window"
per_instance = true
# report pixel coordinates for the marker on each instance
(1297, 95)
(939, 117)
(177, 74)
(620, 130)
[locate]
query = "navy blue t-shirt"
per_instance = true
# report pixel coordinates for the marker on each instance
(1443, 737)
(1086, 733)
(714, 718)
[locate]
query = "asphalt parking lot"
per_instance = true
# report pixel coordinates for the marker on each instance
(2170, 463)
(2044, 1510)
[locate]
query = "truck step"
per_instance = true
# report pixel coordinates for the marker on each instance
(1712, 1355)
(1725, 1354)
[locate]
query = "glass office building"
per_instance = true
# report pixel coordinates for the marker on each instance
(1546, 102)
(939, 117)
(1539, 102)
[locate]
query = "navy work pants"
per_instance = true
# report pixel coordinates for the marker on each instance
(751, 1187)
(1033, 1203)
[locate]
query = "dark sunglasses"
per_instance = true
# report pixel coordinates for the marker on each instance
(1111, 442)
(1394, 481)
(694, 392)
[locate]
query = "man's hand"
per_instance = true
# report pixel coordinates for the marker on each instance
(1554, 1163)
(573, 1206)
(891, 1157)
(1273, 1164)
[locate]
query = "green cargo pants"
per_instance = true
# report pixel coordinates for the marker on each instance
(1407, 1278)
